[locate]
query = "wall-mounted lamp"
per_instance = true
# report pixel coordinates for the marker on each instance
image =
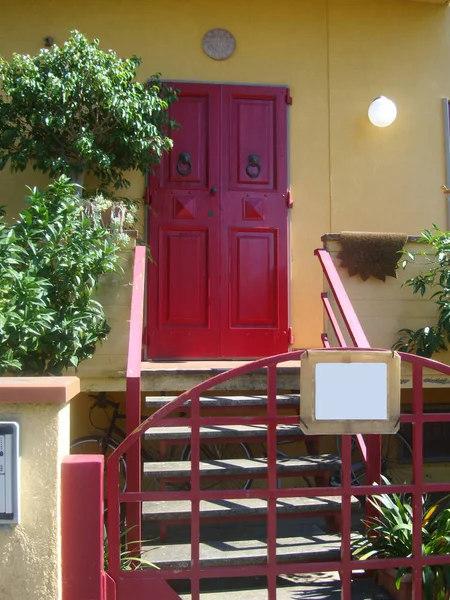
(382, 112)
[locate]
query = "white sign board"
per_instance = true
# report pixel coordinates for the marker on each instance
(349, 391)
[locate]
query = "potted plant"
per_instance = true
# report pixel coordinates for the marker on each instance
(389, 535)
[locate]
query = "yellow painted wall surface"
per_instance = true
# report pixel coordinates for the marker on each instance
(385, 307)
(105, 371)
(336, 56)
(30, 553)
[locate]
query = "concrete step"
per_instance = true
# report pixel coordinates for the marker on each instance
(176, 376)
(244, 467)
(301, 548)
(251, 433)
(254, 507)
(217, 401)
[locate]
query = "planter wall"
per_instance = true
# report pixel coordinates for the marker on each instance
(105, 371)
(386, 580)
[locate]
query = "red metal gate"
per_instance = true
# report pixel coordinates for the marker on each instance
(141, 583)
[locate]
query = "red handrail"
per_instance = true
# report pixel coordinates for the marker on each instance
(133, 385)
(359, 339)
(342, 300)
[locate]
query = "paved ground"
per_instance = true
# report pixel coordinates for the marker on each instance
(311, 586)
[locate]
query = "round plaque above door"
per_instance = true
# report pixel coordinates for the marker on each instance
(218, 44)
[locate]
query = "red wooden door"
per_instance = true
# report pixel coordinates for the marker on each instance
(254, 252)
(218, 286)
(183, 298)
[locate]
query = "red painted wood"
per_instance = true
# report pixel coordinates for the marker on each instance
(254, 320)
(82, 528)
(143, 588)
(218, 235)
(184, 221)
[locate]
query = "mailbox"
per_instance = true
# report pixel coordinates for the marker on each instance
(9, 473)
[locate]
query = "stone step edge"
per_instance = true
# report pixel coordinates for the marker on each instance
(319, 547)
(181, 509)
(243, 466)
(227, 400)
(217, 432)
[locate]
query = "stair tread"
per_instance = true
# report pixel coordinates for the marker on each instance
(314, 547)
(182, 468)
(181, 509)
(219, 431)
(224, 400)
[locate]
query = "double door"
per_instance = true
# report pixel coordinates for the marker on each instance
(218, 227)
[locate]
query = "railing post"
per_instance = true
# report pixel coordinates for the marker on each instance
(133, 390)
(82, 528)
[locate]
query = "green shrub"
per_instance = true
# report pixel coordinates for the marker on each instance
(51, 260)
(389, 534)
(425, 341)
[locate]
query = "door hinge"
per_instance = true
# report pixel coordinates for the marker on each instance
(288, 98)
(290, 335)
(289, 200)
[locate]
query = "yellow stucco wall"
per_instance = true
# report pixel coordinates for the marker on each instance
(106, 369)
(384, 307)
(336, 56)
(30, 552)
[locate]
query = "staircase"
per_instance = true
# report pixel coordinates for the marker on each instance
(227, 520)
(233, 531)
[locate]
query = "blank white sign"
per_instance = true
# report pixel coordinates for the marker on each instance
(351, 391)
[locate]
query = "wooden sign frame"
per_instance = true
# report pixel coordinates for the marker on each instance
(349, 391)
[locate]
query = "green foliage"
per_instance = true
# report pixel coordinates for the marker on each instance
(129, 561)
(425, 341)
(76, 109)
(51, 259)
(389, 535)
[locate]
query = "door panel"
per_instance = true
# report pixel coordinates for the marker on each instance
(218, 227)
(193, 112)
(253, 301)
(183, 293)
(252, 135)
(183, 296)
(254, 321)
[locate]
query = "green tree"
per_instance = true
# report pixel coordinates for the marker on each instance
(76, 109)
(51, 260)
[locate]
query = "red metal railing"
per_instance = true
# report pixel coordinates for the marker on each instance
(346, 309)
(139, 581)
(133, 384)
(371, 445)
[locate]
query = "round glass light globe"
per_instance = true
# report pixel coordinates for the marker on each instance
(382, 112)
